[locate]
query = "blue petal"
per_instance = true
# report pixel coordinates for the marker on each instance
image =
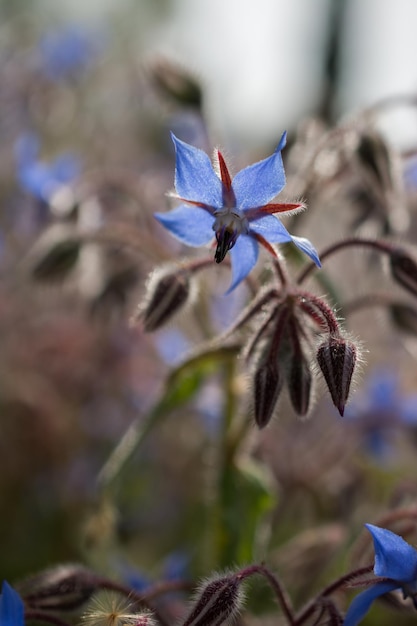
(361, 604)
(195, 178)
(307, 247)
(394, 557)
(65, 168)
(271, 229)
(259, 183)
(191, 225)
(244, 255)
(11, 607)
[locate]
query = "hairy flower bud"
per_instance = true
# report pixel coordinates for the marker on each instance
(299, 381)
(267, 386)
(218, 601)
(337, 359)
(167, 293)
(404, 269)
(64, 587)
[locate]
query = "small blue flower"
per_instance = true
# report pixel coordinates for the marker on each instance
(239, 211)
(39, 178)
(12, 610)
(396, 561)
(66, 51)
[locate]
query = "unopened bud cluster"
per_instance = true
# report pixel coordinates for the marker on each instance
(283, 354)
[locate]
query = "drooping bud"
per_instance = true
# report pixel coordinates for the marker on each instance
(299, 381)
(168, 291)
(58, 261)
(219, 601)
(267, 386)
(404, 317)
(337, 359)
(61, 588)
(404, 269)
(176, 83)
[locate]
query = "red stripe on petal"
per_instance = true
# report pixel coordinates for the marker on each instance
(270, 209)
(224, 172)
(206, 207)
(264, 243)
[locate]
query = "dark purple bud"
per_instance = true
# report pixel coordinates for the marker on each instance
(58, 261)
(299, 381)
(404, 317)
(337, 359)
(404, 269)
(173, 81)
(167, 294)
(61, 588)
(218, 601)
(267, 386)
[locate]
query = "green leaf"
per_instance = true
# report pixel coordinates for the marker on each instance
(245, 500)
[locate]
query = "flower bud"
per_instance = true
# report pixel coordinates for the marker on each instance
(58, 261)
(61, 588)
(176, 83)
(267, 387)
(167, 293)
(219, 600)
(337, 359)
(299, 381)
(404, 269)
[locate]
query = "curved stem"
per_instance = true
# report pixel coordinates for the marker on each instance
(381, 246)
(281, 594)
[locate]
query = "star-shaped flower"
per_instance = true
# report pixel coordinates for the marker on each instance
(239, 211)
(11, 607)
(396, 562)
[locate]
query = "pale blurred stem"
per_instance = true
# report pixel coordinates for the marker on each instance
(44, 616)
(368, 301)
(346, 580)
(280, 272)
(353, 242)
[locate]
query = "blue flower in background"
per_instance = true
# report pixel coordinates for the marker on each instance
(382, 409)
(66, 51)
(39, 178)
(396, 561)
(11, 607)
(239, 211)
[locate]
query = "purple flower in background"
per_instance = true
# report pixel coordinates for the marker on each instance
(239, 211)
(67, 51)
(396, 563)
(11, 607)
(39, 178)
(381, 410)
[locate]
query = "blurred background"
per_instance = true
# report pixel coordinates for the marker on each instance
(88, 94)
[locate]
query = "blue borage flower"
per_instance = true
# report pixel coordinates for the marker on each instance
(11, 607)
(67, 51)
(39, 178)
(396, 562)
(239, 211)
